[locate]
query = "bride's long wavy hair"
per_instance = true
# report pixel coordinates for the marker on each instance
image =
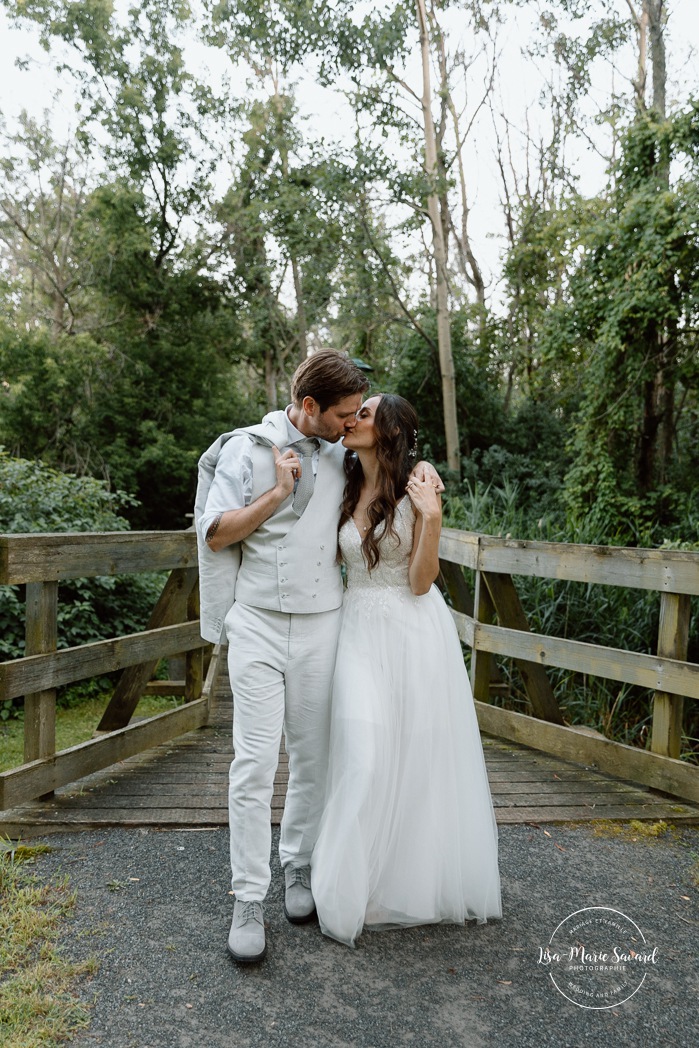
(395, 429)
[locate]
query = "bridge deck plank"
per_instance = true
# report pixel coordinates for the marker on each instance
(183, 783)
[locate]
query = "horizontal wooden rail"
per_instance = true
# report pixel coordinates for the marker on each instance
(629, 667)
(493, 622)
(459, 547)
(42, 776)
(53, 670)
(71, 555)
(666, 571)
(573, 744)
(40, 562)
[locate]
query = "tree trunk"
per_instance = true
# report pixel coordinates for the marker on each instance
(302, 328)
(649, 434)
(656, 30)
(58, 313)
(639, 84)
(657, 433)
(466, 259)
(301, 323)
(446, 359)
(664, 391)
(271, 380)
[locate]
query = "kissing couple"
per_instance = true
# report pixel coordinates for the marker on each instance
(388, 820)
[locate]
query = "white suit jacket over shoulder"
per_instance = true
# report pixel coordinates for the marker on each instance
(218, 571)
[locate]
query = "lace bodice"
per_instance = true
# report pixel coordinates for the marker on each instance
(392, 569)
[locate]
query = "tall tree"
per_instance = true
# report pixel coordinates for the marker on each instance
(439, 248)
(280, 213)
(162, 343)
(612, 257)
(630, 318)
(45, 189)
(422, 112)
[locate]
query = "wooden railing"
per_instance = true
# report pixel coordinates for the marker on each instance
(488, 614)
(40, 562)
(673, 574)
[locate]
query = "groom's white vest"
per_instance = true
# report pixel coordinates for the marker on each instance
(289, 563)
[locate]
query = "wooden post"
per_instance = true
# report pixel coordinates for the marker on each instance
(41, 636)
(511, 614)
(456, 586)
(481, 660)
(194, 660)
(452, 580)
(673, 637)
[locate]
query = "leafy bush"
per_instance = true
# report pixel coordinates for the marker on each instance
(35, 498)
(529, 455)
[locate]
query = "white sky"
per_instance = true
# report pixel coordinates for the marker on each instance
(37, 88)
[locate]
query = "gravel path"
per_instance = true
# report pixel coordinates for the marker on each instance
(155, 909)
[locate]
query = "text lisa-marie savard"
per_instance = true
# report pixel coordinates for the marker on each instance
(617, 957)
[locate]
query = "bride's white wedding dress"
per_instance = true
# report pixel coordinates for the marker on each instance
(408, 834)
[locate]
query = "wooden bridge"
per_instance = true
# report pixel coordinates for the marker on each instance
(171, 769)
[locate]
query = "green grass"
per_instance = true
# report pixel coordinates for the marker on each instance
(73, 725)
(39, 1007)
(635, 830)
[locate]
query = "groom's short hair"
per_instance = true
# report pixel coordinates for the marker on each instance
(328, 377)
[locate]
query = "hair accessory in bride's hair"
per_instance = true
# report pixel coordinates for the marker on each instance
(412, 452)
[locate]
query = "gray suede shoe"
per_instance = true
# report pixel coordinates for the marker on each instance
(299, 906)
(246, 941)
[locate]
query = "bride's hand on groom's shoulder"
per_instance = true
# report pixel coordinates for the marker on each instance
(426, 471)
(424, 497)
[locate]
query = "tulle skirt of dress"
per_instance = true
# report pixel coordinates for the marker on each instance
(408, 834)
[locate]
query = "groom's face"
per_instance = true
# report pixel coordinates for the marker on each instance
(335, 421)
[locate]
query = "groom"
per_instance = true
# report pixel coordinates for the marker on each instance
(267, 529)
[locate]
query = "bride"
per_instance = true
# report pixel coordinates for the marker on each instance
(408, 834)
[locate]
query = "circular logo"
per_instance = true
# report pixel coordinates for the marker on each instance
(598, 957)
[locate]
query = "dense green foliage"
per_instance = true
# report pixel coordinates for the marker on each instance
(631, 316)
(36, 498)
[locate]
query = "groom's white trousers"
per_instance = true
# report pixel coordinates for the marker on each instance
(281, 669)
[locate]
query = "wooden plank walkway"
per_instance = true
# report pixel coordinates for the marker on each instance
(184, 784)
